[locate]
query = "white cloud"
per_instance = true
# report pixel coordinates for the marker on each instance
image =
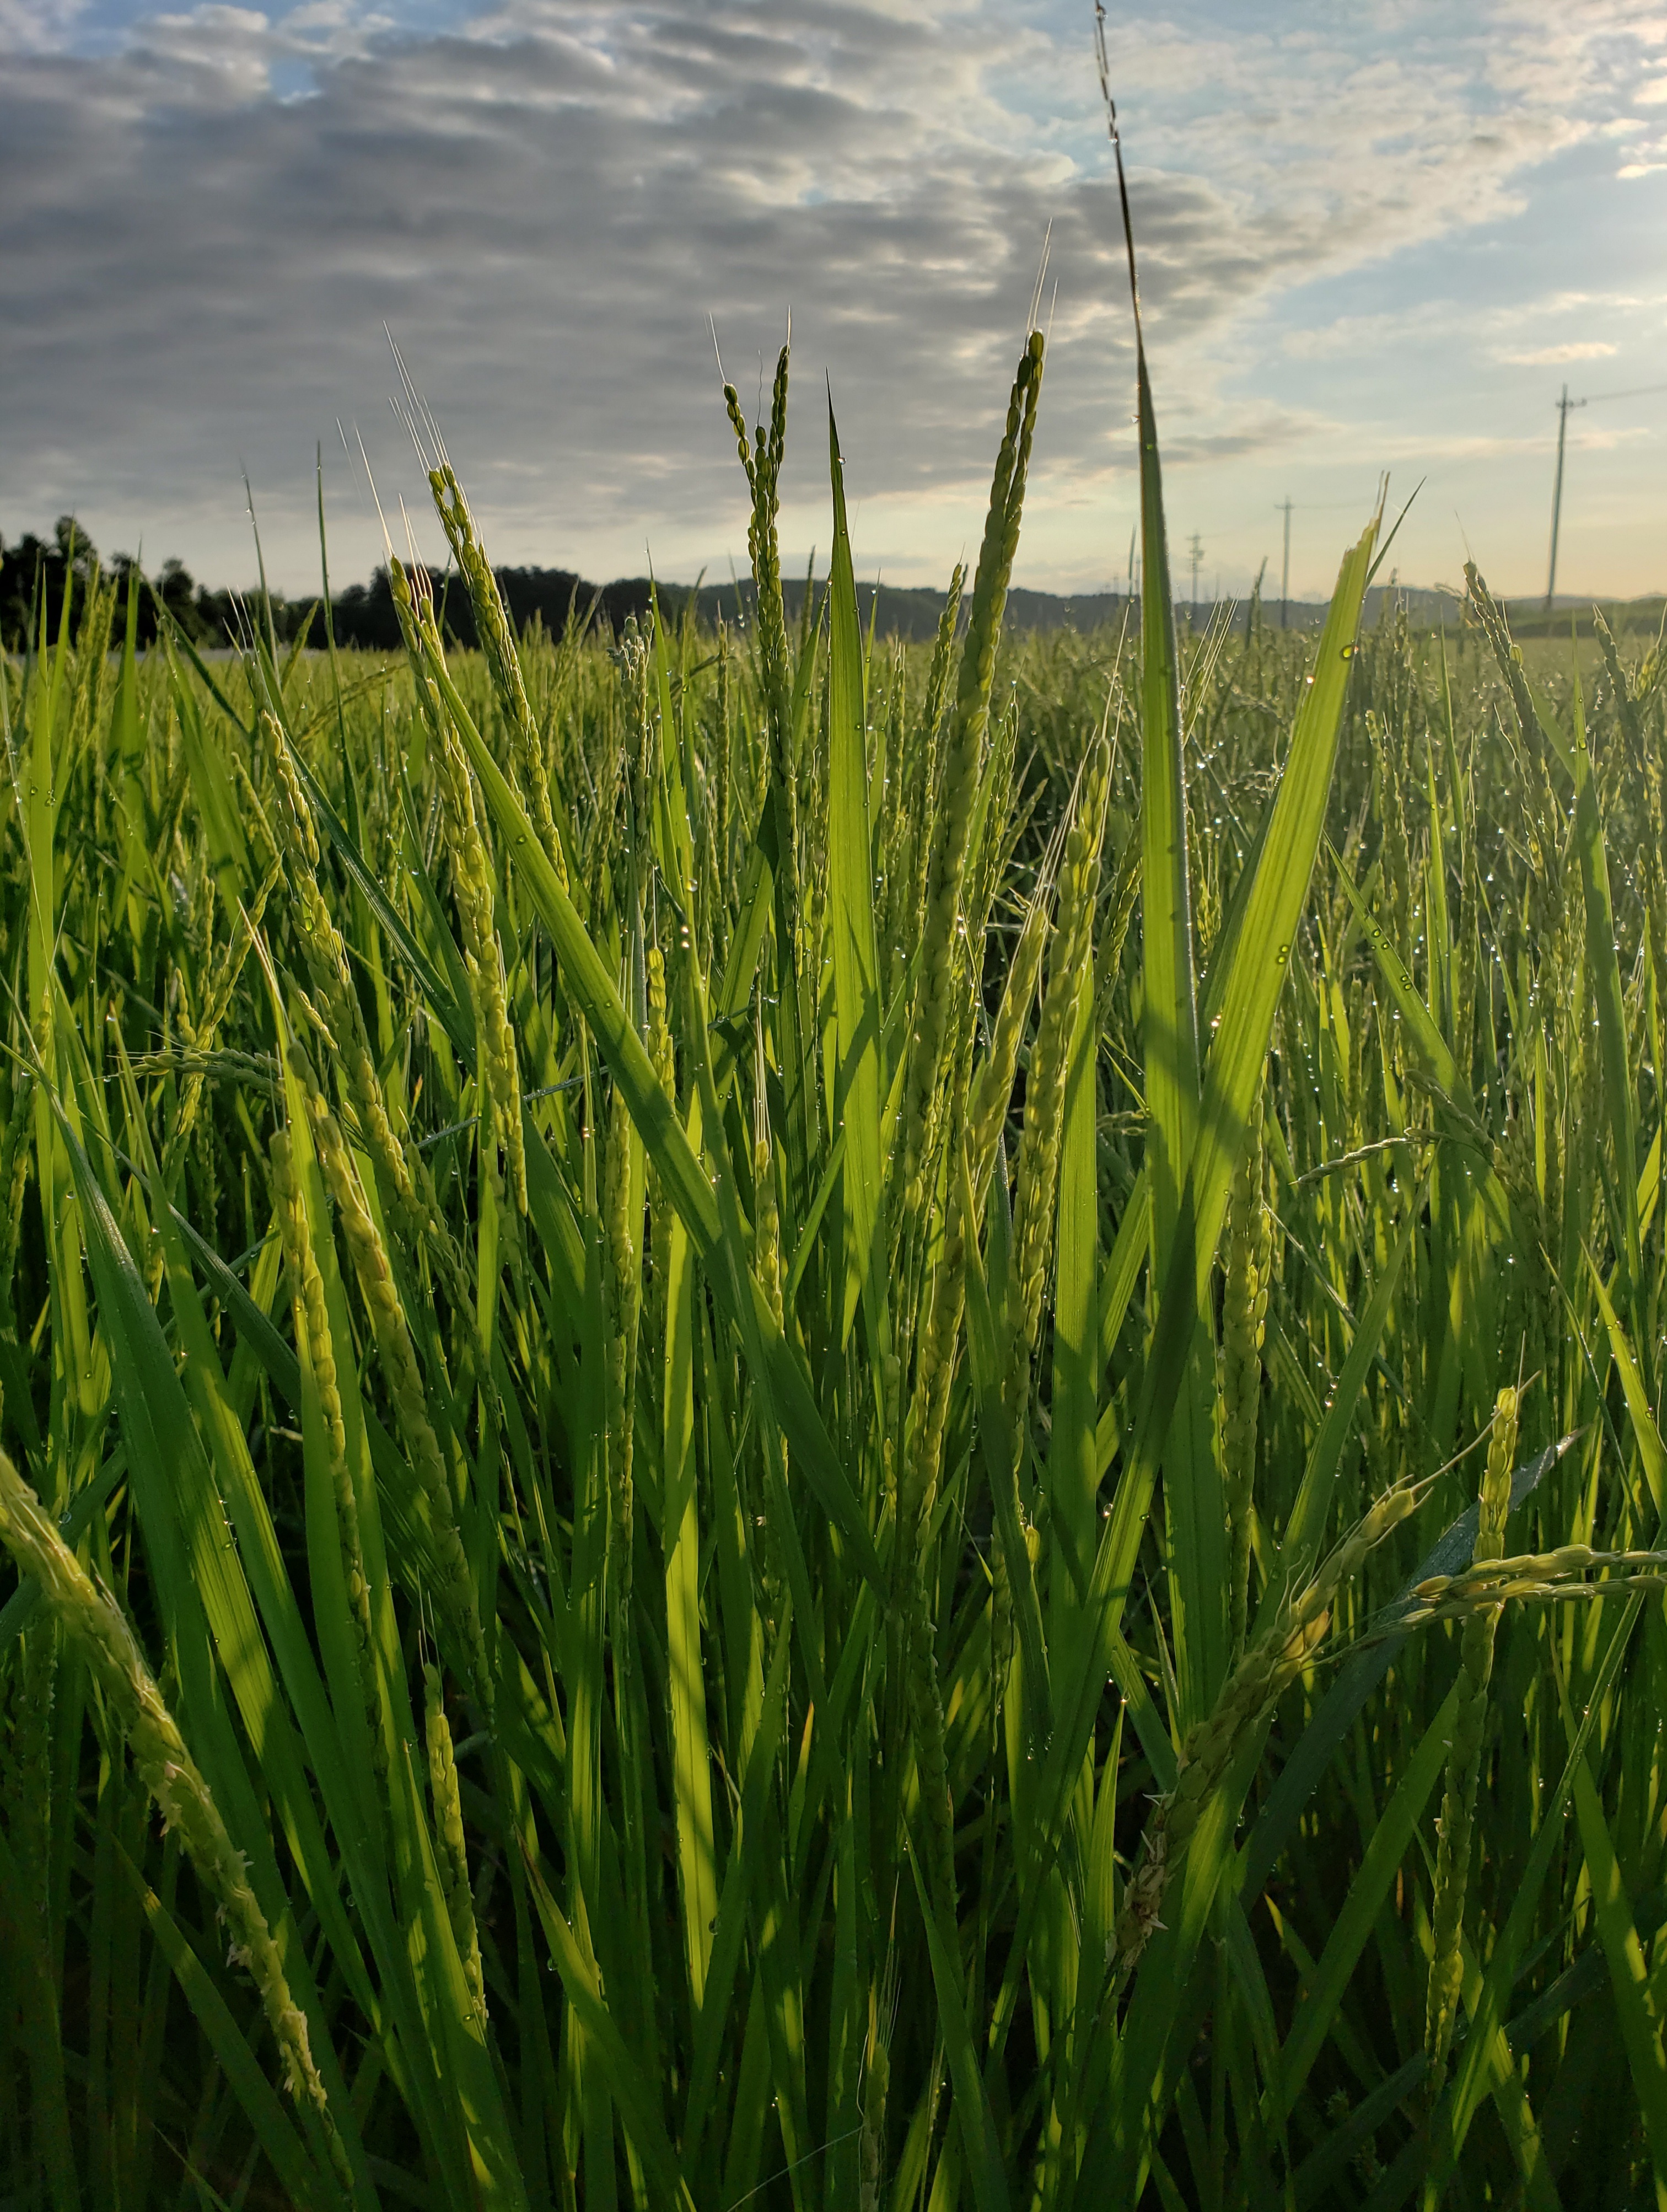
(1576, 349)
(38, 27)
(1466, 329)
(1353, 337)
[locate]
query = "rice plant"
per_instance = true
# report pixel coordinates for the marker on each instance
(793, 1423)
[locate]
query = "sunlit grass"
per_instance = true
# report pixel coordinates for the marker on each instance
(755, 1332)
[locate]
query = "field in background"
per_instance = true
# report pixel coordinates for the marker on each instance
(842, 1423)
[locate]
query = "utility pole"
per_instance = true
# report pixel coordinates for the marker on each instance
(1196, 548)
(1564, 406)
(1285, 572)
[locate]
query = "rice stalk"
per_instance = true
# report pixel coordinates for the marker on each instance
(91, 1618)
(962, 758)
(1475, 1667)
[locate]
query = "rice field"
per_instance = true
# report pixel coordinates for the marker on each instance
(787, 1421)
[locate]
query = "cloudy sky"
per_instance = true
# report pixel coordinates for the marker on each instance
(1374, 238)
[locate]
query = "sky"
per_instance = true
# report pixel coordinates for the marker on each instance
(1371, 239)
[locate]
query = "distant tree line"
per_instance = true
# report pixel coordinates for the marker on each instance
(36, 573)
(363, 615)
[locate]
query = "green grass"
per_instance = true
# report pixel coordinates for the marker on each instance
(684, 1509)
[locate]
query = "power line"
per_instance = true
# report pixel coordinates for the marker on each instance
(1634, 392)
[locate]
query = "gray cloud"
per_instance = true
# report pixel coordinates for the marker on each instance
(546, 206)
